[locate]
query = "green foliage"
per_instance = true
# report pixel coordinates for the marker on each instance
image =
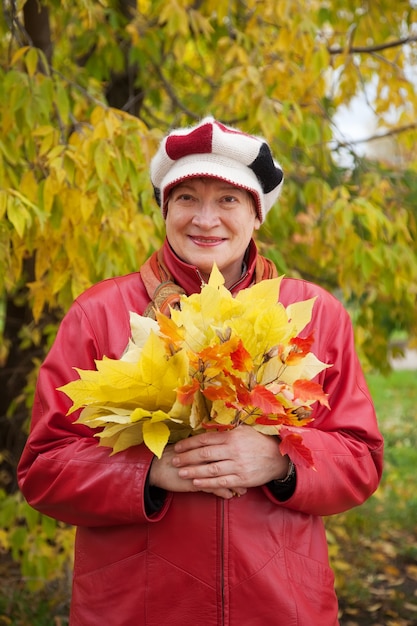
(30, 609)
(41, 545)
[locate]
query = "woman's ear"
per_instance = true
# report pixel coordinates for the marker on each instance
(257, 223)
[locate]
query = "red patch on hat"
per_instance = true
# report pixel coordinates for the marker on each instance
(198, 141)
(227, 129)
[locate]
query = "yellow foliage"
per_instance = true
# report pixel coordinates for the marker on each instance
(72, 195)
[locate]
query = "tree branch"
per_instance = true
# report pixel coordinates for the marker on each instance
(172, 95)
(370, 49)
(388, 133)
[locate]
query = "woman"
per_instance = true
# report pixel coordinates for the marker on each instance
(165, 541)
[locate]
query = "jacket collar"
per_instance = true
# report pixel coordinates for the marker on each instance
(189, 277)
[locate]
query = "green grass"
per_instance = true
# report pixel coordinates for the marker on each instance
(373, 548)
(396, 404)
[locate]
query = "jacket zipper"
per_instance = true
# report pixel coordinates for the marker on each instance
(222, 549)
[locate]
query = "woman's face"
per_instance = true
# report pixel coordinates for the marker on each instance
(209, 220)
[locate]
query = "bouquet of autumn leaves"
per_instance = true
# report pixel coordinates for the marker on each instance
(217, 362)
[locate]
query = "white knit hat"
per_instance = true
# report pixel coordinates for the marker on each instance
(217, 151)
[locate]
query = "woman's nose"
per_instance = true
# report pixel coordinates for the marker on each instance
(206, 215)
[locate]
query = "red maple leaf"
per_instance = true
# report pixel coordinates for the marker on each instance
(264, 399)
(306, 390)
(269, 420)
(242, 392)
(241, 359)
(292, 444)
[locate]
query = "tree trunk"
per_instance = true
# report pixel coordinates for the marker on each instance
(13, 379)
(123, 91)
(36, 18)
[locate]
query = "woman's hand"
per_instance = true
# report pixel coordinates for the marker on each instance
(165, 474)
(232, 460)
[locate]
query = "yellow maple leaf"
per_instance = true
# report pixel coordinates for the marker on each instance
(204, 313)
(266, 291)
(161, 375)
(216, 278)
(307, 368)
(155, 436)
(120, 437)
(149, 383)
(195, 337)
(272, 328)
(95, 416)
(300, 313)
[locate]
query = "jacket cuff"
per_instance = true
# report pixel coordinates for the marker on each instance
(154, 498)
(283, 490)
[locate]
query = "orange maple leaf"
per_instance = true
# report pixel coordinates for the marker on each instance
(300, 347)
(306, 390)
(242, 393)
(219, 391)
(185, 394)
(169, 328)
(212, 359)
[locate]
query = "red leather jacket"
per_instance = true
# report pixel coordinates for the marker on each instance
(199, 559)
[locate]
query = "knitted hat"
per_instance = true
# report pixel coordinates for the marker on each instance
(217, 151)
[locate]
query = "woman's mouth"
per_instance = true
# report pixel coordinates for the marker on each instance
(206, 241)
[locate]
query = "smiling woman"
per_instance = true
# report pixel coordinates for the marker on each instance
(211, 221)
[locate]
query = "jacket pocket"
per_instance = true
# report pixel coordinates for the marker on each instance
(312, 585)
(113, 594)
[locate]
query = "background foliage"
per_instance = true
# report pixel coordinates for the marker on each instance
(90, 87)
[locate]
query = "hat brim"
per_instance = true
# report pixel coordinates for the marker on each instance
(212, 166)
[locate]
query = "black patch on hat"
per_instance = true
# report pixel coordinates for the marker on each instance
(157, 194)
(268, 174)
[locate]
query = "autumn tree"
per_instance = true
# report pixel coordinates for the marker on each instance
(88, 89)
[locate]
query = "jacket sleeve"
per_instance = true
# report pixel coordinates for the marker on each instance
(346, 444)
(63, 472)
